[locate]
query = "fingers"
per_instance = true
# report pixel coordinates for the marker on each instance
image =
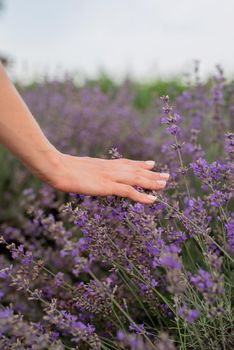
(156, 183)
(140, 168)
(151, 175)
(149, 164)
(122, 168)
(150, 184)
(142, 178)
(129, 192)
(118, 176)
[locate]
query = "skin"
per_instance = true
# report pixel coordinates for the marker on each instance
(21, 135)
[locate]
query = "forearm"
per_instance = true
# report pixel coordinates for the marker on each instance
(20, 133)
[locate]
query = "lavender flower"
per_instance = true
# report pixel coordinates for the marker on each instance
(76, 270)
(190, 315)
(139, 329)
(211, 286)
(170, 261)
(230, 234)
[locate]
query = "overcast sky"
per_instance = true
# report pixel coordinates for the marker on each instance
(145, 38)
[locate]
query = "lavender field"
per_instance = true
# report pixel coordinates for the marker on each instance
(82, 272)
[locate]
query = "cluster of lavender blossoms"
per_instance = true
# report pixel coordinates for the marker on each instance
(84, 272)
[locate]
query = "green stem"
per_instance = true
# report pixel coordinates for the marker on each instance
(125, 314)
(182, 166)
(143, 280)
(136, 297)
(117, 318)
(197, 227)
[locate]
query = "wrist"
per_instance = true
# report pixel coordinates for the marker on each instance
(53, 170)
(46, 164)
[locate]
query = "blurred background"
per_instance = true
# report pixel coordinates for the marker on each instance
(141, 39)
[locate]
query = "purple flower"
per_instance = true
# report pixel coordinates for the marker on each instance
(217, 198)
(58, 279)
(177, 118)
(171, 119)
(164, 120)
(203, 280)
(148, 258)
(138, 329)
(230, 234)
(120, 335)
(27, 258)
(154, 283)
(17, 252)
(167, 109)
(200, 168)
(210, 285)
(173, 130)
(54, 336)
(3, 273)
(5, 313)
(190, 315)
(229, 144)
(209, 173)
(170, 261)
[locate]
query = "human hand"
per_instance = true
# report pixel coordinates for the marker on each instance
(104, 177)
(21, 134)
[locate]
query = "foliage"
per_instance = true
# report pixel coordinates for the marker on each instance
(82, 272)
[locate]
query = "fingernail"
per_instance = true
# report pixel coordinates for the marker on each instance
(152, 198)
(150, 162)
(161, 183)
(165, 175)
